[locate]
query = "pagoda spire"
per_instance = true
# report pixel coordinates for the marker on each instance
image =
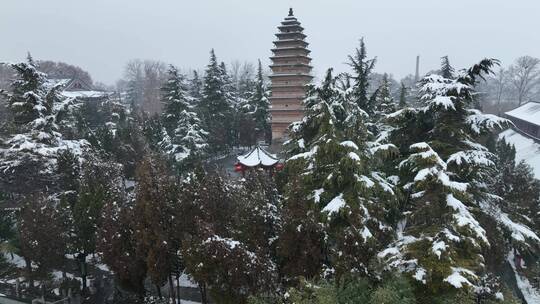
(291, 72)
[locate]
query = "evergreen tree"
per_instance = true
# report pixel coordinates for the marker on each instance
(135, 94)
(30, 152)
(221, 253)
(174, 98)
(384, 105)
(402, 96)
(117, 243)
(362, 68)
(300, 244)
(99, 184)
(183, 138)
(443, 236)
(216, 106)
(447, 71)
(261, 104)
(42, 239)
(155, 199)
(517, 186)
(153, 131)
(195, 88)
(351, 194)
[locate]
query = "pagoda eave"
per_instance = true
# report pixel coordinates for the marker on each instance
(291, 34)
(290, 65)
(279, 98)
(291, 74)
(284, 27)
(291, 48)
(290, 56)
(285, 41)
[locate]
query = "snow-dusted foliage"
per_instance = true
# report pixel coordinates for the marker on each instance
(260, 103)
(447, 223)
(30, 152)
(330, 155)
(232, 232)
(183, 138)
(217, 105)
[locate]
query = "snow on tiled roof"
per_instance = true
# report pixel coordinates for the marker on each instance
(51, 82)
(529, 112)
(84, 94)
(258, 156)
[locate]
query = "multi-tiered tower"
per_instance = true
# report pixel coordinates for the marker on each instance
(290, 73)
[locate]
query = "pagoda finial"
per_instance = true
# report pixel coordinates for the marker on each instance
(290, 12)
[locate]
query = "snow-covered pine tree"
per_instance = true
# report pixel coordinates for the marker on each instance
(243, 123)
(362, 68)
(183, 138)
(30, 153)
(175, 98)
(384, 105)
(444, 233)
(447, 71)
(135, 93)
(260, 103)
(403, 92)
(330, 153)
(216, 107)
(195, 88)
(384, 101)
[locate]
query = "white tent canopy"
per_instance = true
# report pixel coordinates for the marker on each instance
(256, 157)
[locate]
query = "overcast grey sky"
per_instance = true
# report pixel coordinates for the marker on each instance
(101, 35)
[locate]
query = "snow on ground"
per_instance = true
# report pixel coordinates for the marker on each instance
(15, 260)
(186, 281)
(526, 149)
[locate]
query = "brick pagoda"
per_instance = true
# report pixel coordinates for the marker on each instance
(290, 73)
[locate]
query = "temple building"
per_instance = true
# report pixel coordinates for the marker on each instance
(290, 74)
(526, 119)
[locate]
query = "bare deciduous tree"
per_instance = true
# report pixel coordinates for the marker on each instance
(64, 70)
(524, 76)
(146, 77)
(499, 86)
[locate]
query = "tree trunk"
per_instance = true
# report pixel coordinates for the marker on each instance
(171, 290)
(29, 272)
(204, 296)
(178, 287)
(82, 261)
(158, 289)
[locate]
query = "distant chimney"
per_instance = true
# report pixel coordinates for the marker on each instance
(417, 73)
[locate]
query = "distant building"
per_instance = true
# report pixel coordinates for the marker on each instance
(76, 88)
(526, 118)
(290, 74)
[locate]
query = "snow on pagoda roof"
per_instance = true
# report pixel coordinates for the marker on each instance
(258, 156)
(529, 112)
